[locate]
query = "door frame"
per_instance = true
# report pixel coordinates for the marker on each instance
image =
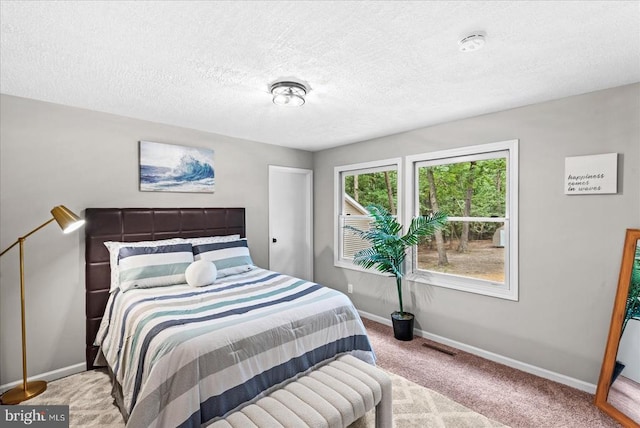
(308, 173)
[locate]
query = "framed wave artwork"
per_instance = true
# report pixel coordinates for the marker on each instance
(174, 168)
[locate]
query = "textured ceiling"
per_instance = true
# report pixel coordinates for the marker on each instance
(374, 68)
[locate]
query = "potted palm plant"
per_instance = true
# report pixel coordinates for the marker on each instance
(388, 250)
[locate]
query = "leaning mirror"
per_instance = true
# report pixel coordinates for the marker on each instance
(618, 392)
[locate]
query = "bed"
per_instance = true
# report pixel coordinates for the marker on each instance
(187, 356)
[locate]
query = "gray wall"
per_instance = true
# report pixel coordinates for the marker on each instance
(51, 155)
(570, 246)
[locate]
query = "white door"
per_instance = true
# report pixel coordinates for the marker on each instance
(291, 221)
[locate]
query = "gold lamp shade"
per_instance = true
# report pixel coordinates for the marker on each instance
(67, 220)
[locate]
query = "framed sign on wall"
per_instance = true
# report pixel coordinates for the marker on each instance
(594, 174)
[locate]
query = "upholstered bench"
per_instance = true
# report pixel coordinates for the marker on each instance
(334, 395)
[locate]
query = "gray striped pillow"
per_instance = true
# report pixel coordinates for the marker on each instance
(229, 257)
(158, 266)
(114, 251)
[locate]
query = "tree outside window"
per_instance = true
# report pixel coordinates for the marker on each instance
(469, 192)
(358, 186)
(477, 187)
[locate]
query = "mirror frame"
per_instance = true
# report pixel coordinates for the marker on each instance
(602, 392)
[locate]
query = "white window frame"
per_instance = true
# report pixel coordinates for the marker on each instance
(508, 290)
(338, 180)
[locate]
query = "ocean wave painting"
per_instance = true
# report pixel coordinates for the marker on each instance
(173, 168)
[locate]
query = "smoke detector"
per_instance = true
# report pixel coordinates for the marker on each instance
(472, 42)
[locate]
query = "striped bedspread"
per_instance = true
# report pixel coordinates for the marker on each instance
(187, 356)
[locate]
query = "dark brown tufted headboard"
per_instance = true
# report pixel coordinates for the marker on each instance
(140, 224)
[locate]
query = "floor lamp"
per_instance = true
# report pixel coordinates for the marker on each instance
(68, 222)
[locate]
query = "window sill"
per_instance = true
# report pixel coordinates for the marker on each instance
(484, 288)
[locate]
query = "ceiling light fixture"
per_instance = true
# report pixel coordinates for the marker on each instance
(472, 42)
(288, 93)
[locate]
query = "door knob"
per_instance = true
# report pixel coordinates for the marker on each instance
(274, 240)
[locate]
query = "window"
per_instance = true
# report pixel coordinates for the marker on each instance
(358, 186)
(477, 188)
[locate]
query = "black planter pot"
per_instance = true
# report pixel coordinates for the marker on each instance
(402, 325)
(617, 369)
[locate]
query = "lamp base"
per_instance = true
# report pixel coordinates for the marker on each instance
(18, 394)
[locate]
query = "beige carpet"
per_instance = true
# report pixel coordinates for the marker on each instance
(88, 395)
(502, 393)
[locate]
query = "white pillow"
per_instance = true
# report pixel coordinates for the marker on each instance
(201, 273)
(114, 250)
(212, 239)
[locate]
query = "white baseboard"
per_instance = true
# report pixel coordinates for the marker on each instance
(48, 376)
(510, 362)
